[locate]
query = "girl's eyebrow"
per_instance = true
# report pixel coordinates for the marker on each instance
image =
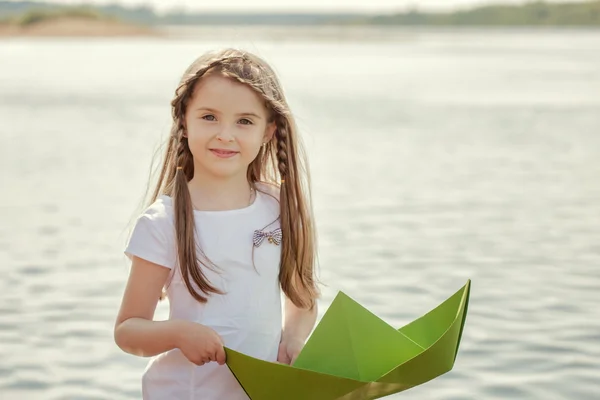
(212, 110)
(207, 109)
(249, 114)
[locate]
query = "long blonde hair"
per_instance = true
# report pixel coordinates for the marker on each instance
(282, 160)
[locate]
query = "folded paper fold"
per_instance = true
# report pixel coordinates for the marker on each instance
(354, 355)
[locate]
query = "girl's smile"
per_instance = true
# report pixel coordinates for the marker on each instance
(222, 153)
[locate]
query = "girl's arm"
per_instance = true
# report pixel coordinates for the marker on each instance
(298, 325)
(136, 333)
(299, 322)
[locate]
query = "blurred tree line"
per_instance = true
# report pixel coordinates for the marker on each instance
(536, 13)
(529, 14)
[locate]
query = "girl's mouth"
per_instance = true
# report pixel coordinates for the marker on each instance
(222, 153)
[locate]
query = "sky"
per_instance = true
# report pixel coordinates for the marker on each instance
(369, 6)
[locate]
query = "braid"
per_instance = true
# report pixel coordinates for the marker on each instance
(184, 157)
(185, 226)
(282, 149)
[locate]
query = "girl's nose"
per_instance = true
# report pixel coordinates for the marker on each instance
(225, 135)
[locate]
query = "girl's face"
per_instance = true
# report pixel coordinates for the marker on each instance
(226, 123)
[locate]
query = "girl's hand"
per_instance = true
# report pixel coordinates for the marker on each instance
(199, 343)
(289, 349)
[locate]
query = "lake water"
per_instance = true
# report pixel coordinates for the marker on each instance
(436, 155)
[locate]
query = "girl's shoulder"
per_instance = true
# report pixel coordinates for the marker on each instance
(160, 211)
(153, 235)
(158, 217)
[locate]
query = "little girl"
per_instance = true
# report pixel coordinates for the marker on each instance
(222, 235)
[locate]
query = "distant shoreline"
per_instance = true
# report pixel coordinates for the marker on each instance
(82, 28)
(119, 20)
(29, 19)
(76, 27)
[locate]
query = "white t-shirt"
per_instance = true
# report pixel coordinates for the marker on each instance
(248, 316)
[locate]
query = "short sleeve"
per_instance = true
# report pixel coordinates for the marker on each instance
(153, 240)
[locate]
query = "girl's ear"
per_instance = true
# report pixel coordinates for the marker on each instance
(183, 124)
(184, 129)
(269, 132)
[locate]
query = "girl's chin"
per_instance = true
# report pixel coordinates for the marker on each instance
(226, 171)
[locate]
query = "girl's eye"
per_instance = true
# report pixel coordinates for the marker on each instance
(245, 121)
(209, 117)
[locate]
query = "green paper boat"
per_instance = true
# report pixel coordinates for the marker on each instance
(354, 355)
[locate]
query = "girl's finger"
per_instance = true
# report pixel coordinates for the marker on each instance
(220, 356)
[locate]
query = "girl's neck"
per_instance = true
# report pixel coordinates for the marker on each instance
(220, 194)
